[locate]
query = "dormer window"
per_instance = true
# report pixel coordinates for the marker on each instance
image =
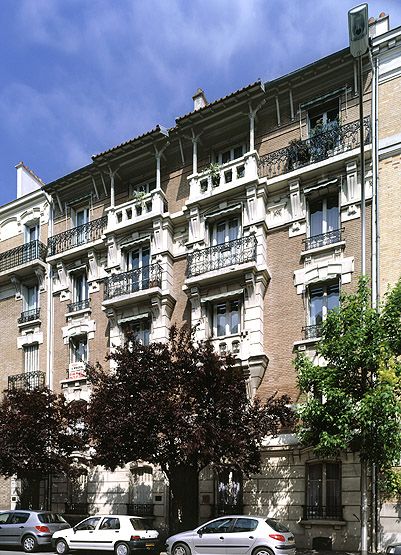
(323, 118)
(143, 188)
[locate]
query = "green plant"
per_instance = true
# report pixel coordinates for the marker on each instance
(214, 171)
(298, 153)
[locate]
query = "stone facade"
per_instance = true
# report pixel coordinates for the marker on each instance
(243, 218)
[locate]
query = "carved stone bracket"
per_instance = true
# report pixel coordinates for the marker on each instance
(17, 286)
(40, 274)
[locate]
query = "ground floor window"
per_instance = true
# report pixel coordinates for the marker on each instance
(323, 491)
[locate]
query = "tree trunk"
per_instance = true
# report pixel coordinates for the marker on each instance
(184, 498)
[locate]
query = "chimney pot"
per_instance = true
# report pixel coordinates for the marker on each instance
(199, 99)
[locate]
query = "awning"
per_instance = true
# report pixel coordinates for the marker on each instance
(142, 316)
(223, 212)
(223, 295)
(135, 242)
(322, 187)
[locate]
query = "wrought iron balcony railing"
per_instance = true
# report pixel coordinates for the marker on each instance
(140, 509)
(76, 508)
(34, 250)
(323, 239)
(321, 146)
(77, 236)
(322, 512)
(222, 509)
(133, 281)
(27, 380)
(79, 305)
(29, 315)
(220, 256)
(312, 332)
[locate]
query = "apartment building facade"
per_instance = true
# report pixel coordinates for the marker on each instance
(244, 220)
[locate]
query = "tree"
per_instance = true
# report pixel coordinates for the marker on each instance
(39, 431)
(181, 406)
(353, 399)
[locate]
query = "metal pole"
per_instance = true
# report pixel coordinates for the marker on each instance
(362, 164)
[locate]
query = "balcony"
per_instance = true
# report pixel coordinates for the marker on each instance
(312, 332)
(222, 178)
(228, 344)
(133, 281)
(232, 253)
(77, 236)
(322, 240)
(322, 512)
(136, 210)
(29, 316)
(79, 305)
(140, 509)
(300, 153)
(22, 256)
(27, 380)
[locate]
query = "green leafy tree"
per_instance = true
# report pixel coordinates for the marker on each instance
(181, 406)
(39, 431)
(353, 399)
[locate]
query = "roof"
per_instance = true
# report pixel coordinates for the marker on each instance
(257, 86)
(130, 142)
(85, 171)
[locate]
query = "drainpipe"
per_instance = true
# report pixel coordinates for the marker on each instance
(50, 305)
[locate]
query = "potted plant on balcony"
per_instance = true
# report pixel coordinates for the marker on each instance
(298, 154)
(214, 172)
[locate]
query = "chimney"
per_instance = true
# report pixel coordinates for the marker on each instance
(379, 26)
(199, 99)
(27, 180)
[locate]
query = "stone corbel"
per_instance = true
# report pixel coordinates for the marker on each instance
(40, 274)
(155, 307)
(111, 251)
(157, 236)
(295, 199)
(194, 224)
(251, 203)
(93, 271)
(250, 286)
(350, 192)
(63, 279)
(17, 285)
(112, 317)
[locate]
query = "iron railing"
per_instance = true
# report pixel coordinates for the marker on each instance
(29, 315)
(79, 305)
(27, 380)
(140, 509)
(231, 253)
(321, 146)
(312, 332)
(133, 281)
(22, 255)
(80, 235)
(76, 508)
(323, 239)
(222, 509)
(322, 512)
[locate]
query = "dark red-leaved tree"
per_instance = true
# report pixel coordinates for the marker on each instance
(39, 431)
(183, 407)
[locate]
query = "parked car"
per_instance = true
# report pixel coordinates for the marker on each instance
(29, 529)
(122, 534)
(394, 549)
(237, 534)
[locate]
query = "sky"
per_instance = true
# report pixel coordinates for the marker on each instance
(80, 76)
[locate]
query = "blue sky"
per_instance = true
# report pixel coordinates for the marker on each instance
(79, 76)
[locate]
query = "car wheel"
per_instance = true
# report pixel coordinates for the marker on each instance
(29, 544)
(62, 547)
(262, 551)
(180, 549)
(122, 549)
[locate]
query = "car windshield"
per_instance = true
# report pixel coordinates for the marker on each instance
(276, 525)
(51, 518)
(141, 524)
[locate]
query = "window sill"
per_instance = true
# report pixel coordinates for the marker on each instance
(322, 522)
(30, 323)
(78, 312)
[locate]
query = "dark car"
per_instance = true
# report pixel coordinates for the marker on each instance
(29, 529)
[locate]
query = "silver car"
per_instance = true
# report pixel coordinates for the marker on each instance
(234, 535)
(29, 529)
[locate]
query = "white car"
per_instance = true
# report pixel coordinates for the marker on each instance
(122, 534)
(234, 535)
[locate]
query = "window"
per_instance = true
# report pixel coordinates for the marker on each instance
(229, 492)
(4, 517)
(31, 358)
(88, 524)
(141, 485)
(324, 216)
(32, 232)
(138, 261)
(226, 318)
(323, 490)
(110, 523)
(230, 154)
(31, 297)
(144, 188)
(245, 525)
(81, 219)
(217, 526)
(323, 118)
(78, 349)
(141, 331)
(225, 231)
(322, 298)
(80, 288)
